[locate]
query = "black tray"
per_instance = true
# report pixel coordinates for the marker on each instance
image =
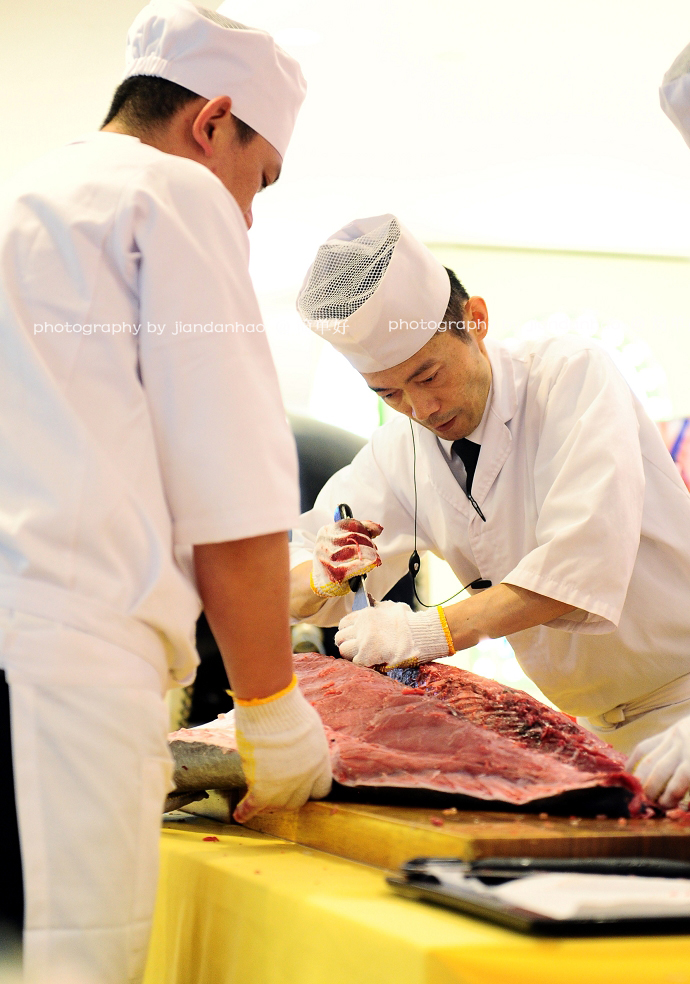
(524, 921)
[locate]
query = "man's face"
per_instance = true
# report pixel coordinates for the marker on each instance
(206, 131)
(444, 386)
(245, 168)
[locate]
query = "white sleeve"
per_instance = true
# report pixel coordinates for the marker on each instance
(226, 453)
(674, 93)
(364, 486)
(589, 488)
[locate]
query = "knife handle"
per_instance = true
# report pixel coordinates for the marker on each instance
(342, 511)
(651, 867)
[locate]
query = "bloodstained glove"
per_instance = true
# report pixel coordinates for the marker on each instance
(284, 752)
(343, 550)
(662, 764)
(391, 634)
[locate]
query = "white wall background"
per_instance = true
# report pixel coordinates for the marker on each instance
(523, 124)
(532, 124)
(524, 140)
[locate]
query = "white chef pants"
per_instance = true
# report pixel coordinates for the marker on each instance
(91, 769)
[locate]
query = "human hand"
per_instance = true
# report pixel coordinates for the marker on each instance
(343, 550)
(391, 634)
(662, 764)
(284, 753)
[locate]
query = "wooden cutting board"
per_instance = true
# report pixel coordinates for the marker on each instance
(386, 836)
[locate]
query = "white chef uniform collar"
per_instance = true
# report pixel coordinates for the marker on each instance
(455, 463)
(375, 293)
(674, 93)
(212, 55)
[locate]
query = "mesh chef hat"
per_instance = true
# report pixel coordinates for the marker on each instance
(674, 93)
(208, 53)
(375, 292)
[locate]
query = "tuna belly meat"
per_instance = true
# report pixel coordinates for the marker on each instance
(443, 735)
(518, 716)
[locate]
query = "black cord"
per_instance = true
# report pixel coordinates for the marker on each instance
(415, 563)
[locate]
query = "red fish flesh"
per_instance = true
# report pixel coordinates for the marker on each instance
(449, 730)
(435, 728)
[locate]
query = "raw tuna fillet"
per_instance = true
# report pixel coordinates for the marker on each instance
(515, 714)
(454, 732)
(434, 728)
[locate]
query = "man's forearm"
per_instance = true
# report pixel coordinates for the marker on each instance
(235, 579)
(498, 611)
(303, 601)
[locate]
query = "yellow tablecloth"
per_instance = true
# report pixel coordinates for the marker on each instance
(251, 909)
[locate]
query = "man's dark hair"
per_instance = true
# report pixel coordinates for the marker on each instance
(454, 318)
(145, 102)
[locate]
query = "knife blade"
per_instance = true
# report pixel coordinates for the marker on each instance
(361, 599)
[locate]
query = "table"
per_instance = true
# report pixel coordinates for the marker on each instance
(250, 908)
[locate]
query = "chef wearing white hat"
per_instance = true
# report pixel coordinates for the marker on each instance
(146, 461)
(532, 469)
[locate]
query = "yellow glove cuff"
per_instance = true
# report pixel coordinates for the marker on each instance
(255, 701)
(330, 590)
(446, 631)
(335, 590)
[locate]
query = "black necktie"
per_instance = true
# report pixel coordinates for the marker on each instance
(468, 452)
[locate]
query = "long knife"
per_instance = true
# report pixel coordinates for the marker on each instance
(507, 869)
(361, 599)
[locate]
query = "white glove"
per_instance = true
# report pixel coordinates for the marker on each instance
(284, 752)
(662, 764)
(391, 634)
(343, 550)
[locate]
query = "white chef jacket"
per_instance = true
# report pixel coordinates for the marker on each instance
(139, 406)
(674, 93)
(582, 503)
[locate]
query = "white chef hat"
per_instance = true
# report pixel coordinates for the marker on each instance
(375, 292)
(674, 93)
(206, 52)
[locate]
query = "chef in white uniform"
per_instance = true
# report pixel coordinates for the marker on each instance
(674, 93)
(146, 461)
(532, 469)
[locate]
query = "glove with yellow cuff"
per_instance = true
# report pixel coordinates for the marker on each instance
(284, 752)
(343, 550)
(391, 634)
